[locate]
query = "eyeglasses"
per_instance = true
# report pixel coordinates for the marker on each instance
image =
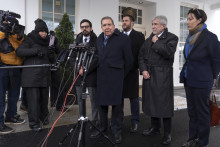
(84, 27)
(199, 14)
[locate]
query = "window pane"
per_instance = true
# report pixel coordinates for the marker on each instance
(181, 23)
(185, 35)
(181, 11)
(181, 36)
(186, 9)
(47, 5)
(139, 12)
(70, 7)
(48, 18)
(139, 20)
(72, 19)
(59, 6)
(57, 19)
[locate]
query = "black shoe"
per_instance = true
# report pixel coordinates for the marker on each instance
(36, 128)
(118, 138)
(14, 120)
(191, 143)
(17, 115)
(166, 139)
(5, 129)
(134, 128)
(151, 131)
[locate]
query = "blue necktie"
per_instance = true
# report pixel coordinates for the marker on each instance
(105, 41)
(126, 33)
(85, 40)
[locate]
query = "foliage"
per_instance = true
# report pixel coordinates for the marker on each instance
(65, 35)
(64, 32)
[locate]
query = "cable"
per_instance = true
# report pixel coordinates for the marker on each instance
(60, 113)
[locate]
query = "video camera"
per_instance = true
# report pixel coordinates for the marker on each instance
(12, 26)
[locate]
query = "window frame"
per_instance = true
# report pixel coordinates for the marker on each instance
(53, 14)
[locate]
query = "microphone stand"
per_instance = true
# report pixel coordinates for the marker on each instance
(84, 61)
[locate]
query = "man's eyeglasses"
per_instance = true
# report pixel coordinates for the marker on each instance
(84, 27)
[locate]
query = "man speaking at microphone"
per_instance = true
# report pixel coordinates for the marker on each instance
(115, 60)
(87, 36)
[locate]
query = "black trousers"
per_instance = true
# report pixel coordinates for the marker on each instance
(116, 124)
(199, 114)
(37, 99)
(156, 123)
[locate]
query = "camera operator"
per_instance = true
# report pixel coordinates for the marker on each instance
(36, 81)
(10, 79)
(88, 36)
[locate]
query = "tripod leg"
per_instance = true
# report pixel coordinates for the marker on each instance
(82, 136)
(104, 135)
(68, 134)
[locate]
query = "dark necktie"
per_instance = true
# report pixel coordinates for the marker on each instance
(105, 41)
(85, 40)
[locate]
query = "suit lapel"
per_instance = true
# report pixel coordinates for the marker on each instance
(131, 35)
(199, 40)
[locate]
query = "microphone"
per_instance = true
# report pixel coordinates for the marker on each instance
(71, 47)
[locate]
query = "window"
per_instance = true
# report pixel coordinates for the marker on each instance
(183, 33)
(139, 15)
(53, 10)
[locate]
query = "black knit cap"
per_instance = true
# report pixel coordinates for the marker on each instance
(40, 26)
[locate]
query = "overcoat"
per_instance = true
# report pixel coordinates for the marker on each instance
(131, 81)
(34, 77)
(115, 60)
(203, 62)
(157, 58)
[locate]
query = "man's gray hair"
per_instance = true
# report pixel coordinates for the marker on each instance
(162, 19)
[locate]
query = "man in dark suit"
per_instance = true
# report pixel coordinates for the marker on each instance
(131, 82)
(88, 36)
(115, 60)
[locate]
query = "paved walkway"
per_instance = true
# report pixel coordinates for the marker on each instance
(71, 116)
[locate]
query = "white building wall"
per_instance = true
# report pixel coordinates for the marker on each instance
(33, 12)
(94, 10)
(17, 6)
(213, 21)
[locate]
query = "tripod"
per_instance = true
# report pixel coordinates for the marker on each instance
(82, 123)
(83, 59)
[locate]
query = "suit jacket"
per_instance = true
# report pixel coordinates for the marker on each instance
(115, 61)
(203, 62)
(91, 77)
(131, 82)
